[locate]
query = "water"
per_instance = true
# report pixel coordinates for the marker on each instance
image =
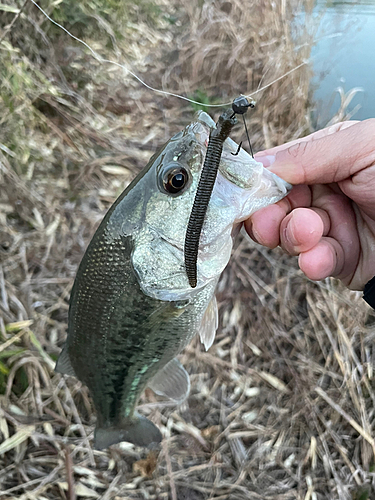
(344, 56)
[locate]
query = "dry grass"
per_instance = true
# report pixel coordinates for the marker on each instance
(281, 406)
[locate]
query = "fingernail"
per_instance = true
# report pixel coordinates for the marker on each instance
(252, 233)
(256, 236)
(289, 233)
(249, 229)
(265, 160)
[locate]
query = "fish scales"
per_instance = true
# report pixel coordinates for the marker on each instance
(132, 310)
(131, 348)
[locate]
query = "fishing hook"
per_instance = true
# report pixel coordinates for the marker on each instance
(240, 106)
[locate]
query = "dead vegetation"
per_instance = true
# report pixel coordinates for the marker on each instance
(281, 406)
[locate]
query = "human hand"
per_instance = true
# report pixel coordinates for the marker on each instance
(328, 218)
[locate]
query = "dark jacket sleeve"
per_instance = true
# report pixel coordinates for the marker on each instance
(369, 293)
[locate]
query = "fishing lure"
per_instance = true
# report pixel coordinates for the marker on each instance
(207, 179)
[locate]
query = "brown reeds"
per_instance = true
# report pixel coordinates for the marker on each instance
(281, 406)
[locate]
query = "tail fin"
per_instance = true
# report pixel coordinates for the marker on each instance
(139, 431)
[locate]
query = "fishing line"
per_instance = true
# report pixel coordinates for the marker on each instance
(164, 92)
(213, 155)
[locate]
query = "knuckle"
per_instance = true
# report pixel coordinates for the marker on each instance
(298, 149)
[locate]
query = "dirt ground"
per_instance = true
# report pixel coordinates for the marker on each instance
(282, 405)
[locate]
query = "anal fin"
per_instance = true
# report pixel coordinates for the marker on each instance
(172, 381)
(64, 365)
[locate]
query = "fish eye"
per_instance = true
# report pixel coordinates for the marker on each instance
(175, 179)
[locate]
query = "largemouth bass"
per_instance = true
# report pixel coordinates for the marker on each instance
(132, 310)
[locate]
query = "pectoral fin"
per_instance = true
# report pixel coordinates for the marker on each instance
(63, 364)
(209, 324)
(172, 381)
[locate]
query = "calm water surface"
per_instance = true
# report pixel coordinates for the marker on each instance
(344, 56)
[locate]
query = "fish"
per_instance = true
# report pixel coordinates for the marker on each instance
(132, 310)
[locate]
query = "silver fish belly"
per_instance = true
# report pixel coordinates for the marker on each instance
(132, 309)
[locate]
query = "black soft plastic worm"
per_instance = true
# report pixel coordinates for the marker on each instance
(205, 186)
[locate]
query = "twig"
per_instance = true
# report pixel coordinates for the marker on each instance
(111, 488)
(81, 427)
(169, 469)
(69, 474)
(347, 417)
(13, 21)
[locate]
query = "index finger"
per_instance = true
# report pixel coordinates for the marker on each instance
(330, 155)
(312, 137)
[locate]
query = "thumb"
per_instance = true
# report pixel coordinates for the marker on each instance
(325, 156)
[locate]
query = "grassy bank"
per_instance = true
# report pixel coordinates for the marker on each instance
(281, 406)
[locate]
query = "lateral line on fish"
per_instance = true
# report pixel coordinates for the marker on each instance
(149, 87)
